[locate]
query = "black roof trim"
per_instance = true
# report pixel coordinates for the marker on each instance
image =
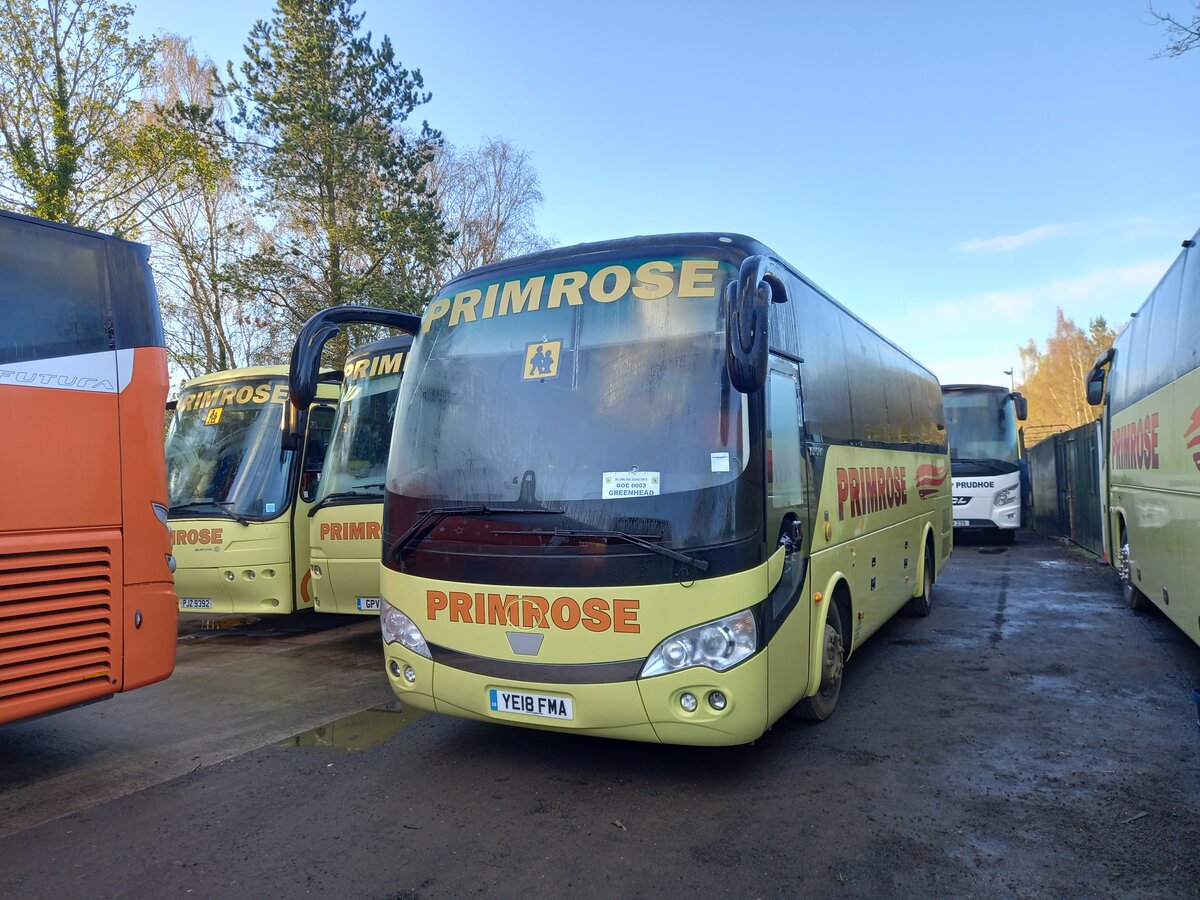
(34, 220)
(396, 342)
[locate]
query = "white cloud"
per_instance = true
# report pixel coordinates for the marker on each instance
(1099, 292)
(973, 339)
(1005, 242)
(1118, 231)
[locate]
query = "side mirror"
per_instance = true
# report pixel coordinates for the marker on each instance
(292, 429)
(1021, 407)
(1095, 379)
(305, 369)
(747, 302)
(791, 535)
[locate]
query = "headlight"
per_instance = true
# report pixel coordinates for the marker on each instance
(1003, 498)
(717, 645)
(400, 629)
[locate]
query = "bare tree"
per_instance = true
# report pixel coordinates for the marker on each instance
(489, 196)
(202, 227)
(1181, 36)
(1053, 379)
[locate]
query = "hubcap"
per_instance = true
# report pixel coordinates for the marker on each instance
(831, 671)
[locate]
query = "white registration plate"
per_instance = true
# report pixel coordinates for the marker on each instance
(961, 523)
(368, 603)
(526, 704)
(195, 603)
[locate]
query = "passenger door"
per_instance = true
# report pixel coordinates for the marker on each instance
(316, 442)
(787, 480)
(787, 615)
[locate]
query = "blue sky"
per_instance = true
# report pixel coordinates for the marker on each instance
(951, 171)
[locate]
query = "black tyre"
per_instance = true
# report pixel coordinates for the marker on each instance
(820, 706)
(923, 603)
(1134, 599)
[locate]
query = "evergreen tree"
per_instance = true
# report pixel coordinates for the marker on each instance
(341, 186)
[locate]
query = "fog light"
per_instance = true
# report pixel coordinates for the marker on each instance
(316, 570)
(394, 668)
(248, 575)
(409, 675)
(688, 702)
(229, 576)
(268, 573)
(718, 700)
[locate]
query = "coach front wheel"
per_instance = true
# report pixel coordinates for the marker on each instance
(820, 705)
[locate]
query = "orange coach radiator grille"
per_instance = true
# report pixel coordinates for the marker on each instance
(56, 625)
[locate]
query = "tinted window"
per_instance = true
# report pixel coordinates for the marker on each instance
(826, 385)
(1159, 342)
(1136, 340)
(134, 298)
(52, 298)
(897, 390)
(868, 406)
(1159, 365)
(1187, 347)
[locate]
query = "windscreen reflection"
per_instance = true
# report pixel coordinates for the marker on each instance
(981, 426)
(356, 461)
(228, 453)
(623, 405)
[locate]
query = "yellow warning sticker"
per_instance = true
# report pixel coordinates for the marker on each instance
(214, 415)
(541, 360)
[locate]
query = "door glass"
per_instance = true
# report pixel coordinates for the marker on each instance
(320, 427)
(785, 471)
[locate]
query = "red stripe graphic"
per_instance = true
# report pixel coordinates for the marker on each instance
(931, 475)
(930, 478)
(1194, 425)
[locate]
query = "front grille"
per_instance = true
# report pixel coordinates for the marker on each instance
(56, 628)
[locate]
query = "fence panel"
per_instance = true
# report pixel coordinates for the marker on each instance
(1068, 498)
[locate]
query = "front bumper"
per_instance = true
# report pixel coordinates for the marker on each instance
(643, 709)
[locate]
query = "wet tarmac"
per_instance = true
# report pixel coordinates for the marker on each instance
(1031, 738)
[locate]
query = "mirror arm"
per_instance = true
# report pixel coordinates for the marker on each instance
(305, 370)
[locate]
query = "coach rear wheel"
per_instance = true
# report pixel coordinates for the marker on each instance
(820, 706)
(923, 603)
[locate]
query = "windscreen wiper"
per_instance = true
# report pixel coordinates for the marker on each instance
(637, 540)
(224, 507)
(362, 493)
(427, 518)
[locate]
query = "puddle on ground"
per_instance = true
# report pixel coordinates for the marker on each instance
(226, 623)
(193, 627)
(360, 731)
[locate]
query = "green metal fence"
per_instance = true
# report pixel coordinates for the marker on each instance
(1065, 472)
